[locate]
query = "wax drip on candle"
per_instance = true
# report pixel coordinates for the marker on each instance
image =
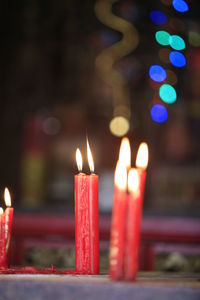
(79, 160)
(142, 156)
(7, 197)
(90, 158)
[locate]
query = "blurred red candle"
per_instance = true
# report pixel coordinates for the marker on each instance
(133, 222)
(136, 185)
(8, 218)
(86, 218)
(118, 226)
(2, 240)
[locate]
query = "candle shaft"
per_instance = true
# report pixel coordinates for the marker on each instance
(132, 237)
(3, 263)
(86, 224)
(134, 215)
(8, 227)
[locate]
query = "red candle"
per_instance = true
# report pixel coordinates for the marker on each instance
(8, 218)
(136, 185)
(2, 240)
(118, 226)
(86, 218)
(133, 226)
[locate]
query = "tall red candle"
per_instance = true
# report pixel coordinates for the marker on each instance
(136, 186)
(118, 226)
(133, 226)
(86, 218)
(8, 218)
(3, 263)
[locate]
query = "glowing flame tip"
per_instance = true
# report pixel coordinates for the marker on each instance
(90, 158)
(125, 152)
(7, 197)
(79, 160)
(1, 211)
(142, 156)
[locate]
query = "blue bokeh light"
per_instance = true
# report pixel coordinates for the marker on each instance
(158, 17)
(177, 59)
(180, 5)
(159, 113)
(157, 73)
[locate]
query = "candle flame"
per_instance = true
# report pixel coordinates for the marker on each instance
(142, 156)
(90, 158)
(125, 152)
(1, 211)
(121, 176)
(133, 181)
(79, 160)
(7, 197)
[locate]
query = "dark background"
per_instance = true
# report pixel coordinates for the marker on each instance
(51, 96)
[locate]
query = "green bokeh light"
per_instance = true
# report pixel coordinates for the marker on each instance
(167, 93)
(176, 42)
(162, 37)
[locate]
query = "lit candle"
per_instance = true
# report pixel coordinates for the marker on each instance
(8, 218)
(133, 226)
(86, 218)
(2, 240)
(118, 226)
(136, 186)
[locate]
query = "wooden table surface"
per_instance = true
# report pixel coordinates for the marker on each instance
(149, 286)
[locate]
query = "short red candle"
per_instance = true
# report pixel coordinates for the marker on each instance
(2, 240)
(118, 226)
(86, 222)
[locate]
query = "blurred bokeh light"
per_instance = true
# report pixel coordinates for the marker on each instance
(157, 73)
(167, 93)
(158, 17)
(177, 59)
(159, 113)
(180, 5)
